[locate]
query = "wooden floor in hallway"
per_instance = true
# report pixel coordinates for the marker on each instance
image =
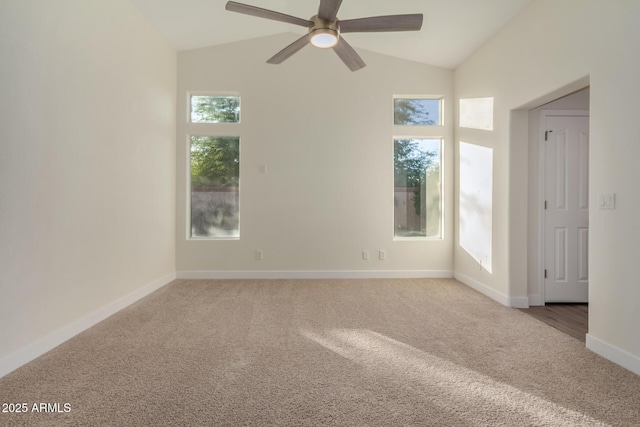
(572, 319)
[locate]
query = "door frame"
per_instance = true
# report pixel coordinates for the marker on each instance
(542, 187)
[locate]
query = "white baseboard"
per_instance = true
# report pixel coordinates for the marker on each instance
(535, 300)
(519, 302)
(515, 302)
(18, 358)
(308, 274)
(614, 354)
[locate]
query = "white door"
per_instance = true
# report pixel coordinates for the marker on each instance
(566, 231)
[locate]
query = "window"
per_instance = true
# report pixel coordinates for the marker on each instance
(214, 168)
(417, 111)
(215, 109)
(417, 189)
(215, 185)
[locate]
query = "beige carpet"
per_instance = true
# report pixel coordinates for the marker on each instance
(322, 352)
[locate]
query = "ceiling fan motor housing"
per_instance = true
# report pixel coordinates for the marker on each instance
(323, 33)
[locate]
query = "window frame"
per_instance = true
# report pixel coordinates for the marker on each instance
(441, 118)
(222, 129)
(190, 190)
(442, 193)
(435, 131)
(215, 94)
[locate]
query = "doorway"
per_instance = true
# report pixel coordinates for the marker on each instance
(575, 100)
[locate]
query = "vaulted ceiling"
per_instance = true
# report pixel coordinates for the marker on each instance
(452, 29)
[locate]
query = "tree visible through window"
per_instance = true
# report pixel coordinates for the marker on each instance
(416, 111)
(215, 179)
(417, 194)
(215, 109)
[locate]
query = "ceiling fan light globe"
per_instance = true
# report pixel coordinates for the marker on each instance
(324, 38)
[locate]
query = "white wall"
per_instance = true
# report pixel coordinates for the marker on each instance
(325, 135)
(87, 166)
(550, 45)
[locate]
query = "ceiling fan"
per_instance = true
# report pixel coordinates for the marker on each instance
(325, 29)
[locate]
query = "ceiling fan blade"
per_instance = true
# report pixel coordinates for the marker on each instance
(329, 9)
(267, 14)
(285, 53)
(348, 55)
(411, 22)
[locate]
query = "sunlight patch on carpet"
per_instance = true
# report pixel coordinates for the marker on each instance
(441, 379)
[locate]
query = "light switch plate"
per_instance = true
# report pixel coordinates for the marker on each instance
(607, 201)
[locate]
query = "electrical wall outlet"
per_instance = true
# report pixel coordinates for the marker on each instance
(259, 255)
(365, 255)
(382, 254)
